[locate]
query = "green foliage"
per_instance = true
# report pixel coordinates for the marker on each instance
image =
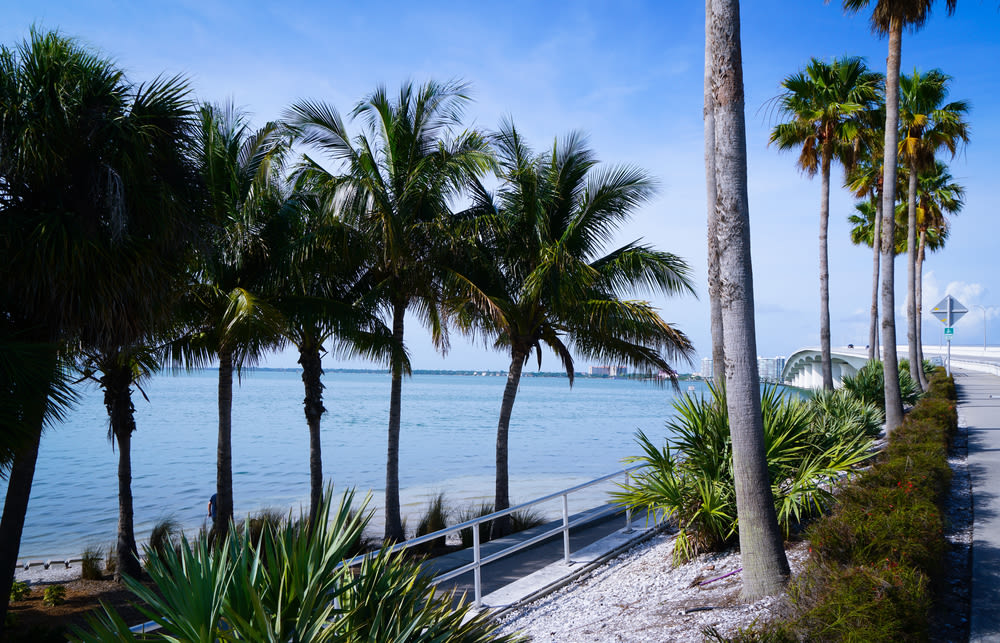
(163, 536)
(838, 415)
(869, 385)
(435, 518)
(111, 560)
(287, 583)
(54, 595)
(470, 513)
(19, 591)
(691, 478)
(875, 557)
(526, 519)
(90, 565)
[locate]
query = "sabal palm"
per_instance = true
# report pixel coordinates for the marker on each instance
(825, 103)
(394, 183)
(864, 226)
(927, 124)
(93, 177)
(542, 278)
(888, 18)
(226, 317)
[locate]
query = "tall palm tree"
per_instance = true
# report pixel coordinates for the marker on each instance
(714, 296)
(226, 317)
(927, 124)
(92, 176)
(865, 229)
(888, 18)
(765, 567)
(318, 284)
(396, 179)
(938, 196)
(540, 276)
(825, 103)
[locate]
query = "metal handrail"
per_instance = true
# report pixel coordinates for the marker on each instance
(478, 561)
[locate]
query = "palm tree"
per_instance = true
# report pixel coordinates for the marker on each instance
(938, 196)
(93, 177)
(888, 18)
(396, 180)
(864, 225)
(825, 103)
(539, 275)
(226, 317)
(765, 567)
(927, 124)
(318, 286)
(714, 296)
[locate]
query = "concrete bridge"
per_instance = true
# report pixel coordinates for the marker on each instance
(804, 369)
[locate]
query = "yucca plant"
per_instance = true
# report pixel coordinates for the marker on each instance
(691, 477)
(288, 583)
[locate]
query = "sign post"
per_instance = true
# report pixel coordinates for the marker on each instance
(948, 311)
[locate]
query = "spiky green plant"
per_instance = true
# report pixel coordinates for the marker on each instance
(434, 518)
(838, 415)
(869, 385)
(471, 512)
(526, 519)
(691, 477)
(289, 584)
(163, 536)
(90, 563)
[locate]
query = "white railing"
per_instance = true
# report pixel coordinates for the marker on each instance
(478, 561)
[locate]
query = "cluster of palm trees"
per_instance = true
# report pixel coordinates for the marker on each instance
(143, 229)
(837, 113)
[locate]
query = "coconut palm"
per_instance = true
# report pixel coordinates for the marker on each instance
(93, 177)
(318, 285)
(541, 276)
(226, 317)
(888, 19)
(825, 103)
(396, 179)
(927, 124)
(765, 567)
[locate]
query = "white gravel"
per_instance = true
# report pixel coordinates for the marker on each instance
(640, 597)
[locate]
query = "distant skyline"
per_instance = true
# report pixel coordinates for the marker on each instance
(629, 75)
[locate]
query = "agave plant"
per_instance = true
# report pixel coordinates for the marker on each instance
(289, 583)
(691, 477)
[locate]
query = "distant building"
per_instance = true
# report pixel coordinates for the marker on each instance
(706, 368)
(600, 371)
(767, 369)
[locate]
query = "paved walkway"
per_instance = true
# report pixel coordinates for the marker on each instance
(979, 406)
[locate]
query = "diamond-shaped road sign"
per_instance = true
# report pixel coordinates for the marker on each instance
(949, 310)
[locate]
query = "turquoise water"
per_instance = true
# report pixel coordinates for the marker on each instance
(558, 437)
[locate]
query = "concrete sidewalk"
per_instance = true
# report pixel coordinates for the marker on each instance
(979, 407)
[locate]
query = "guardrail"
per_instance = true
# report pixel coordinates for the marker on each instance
(478, 561)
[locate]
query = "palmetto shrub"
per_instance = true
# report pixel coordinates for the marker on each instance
(289, 584)
(838, 415)
(868, 385)
(691, 477)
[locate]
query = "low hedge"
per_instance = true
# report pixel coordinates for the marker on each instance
(877, 556)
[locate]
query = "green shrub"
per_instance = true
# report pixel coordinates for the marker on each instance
(691, 478)
(470, 513)
(839, 416)
(19, 591)
(163, 536)
(54, 595)
(868, 385)
(434, 518)
(526, 519)
(90, 565)
(111, 560)
(870, 604)
(939, 410)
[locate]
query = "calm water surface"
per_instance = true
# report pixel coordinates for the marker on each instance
(558, 437)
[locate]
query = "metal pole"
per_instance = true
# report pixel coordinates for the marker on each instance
(948, 370)
(477, 571)
(565, 512)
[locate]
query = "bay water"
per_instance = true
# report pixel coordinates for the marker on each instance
(559, 437)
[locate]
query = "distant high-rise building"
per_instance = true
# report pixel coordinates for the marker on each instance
(600, 371)
(706, 368)
(780, 362)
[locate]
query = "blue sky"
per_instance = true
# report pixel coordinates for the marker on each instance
(629, 74)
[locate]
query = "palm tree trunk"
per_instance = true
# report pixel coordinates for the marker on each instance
(312, 374)
(15, 507)
(393, 520)
(715, 303)
(920, 305)
(826, 361)
(893, 400)
(912, 329)
(873, 352)
(501, 500)
(117, 382)
(224, 456)
(765, 567)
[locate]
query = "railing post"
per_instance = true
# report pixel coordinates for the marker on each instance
(565, 512)
(477, 572)
(628, 508)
